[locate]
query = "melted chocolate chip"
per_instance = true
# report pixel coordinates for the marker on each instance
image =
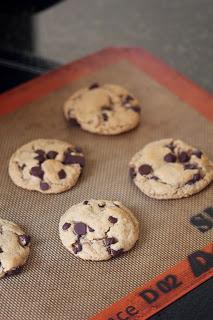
(116, 253)
(109, 241)
(44, 186)
(52, 154)
(136, 109)
(13, 271)
(132, 173)
(112, 219)
(145, 169)
(41, 158)
(1, 250)
(40, 152)
(183, 157)
(62, 174)
(90, 229)
(171, 146)
(71, 159)
(105, 116)
(197, 153)
(73, 122)
(77, 247)
(169, 157)
(24, 240)
(190, 166)
(101, 205)
(80, 228)
(85, 202)
(66, 226)
(196, 177)
(37, 172)
(94, 86)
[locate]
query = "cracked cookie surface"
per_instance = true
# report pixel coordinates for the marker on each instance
(14, 248)
(170, 169)
(107, 109)
(46, 165)
(98, 229)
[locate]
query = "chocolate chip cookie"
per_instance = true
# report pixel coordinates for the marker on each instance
(46, 165)
(98, 229)
(107, 109)
(14, 248)
(170, 169)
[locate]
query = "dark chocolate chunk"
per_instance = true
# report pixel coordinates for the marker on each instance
(44, 186)
(71, 159)
(77, 247)
(170, 157)
(190, 166)
(1, 250)
(40, 152)
(136, 109)
(13, 272)
(62, 174)
(116, 253)
(101, 205)
(105, 116)
(91, 229)
(197, 153)
(73, 122)
(66, 226)
(41, 158)
(145, 169)
(80, 228)
(94, 86)
(171, 146)
(52, 154)
(112, 219)
(107, 108)
(132, 172)
(37, 172)
(109, 241)
(196, 177)
(24, 240)
(85, 202)
(183, 157)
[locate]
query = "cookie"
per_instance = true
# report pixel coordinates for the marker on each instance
(46, 165)
(107, 109)
(170, 169)
(14, 248)
(98, 229)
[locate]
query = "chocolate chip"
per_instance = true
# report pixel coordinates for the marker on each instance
(91, 229)
(40, 152)
(112, 219)
(132, 172)
(145, 169)
(62, 174)
(1, 250)
(109, 241)
(71, 159)
(94, 86)
(41, 158)
(154, 178)
(116, 253)
(197, 153)
(73, 122)
(183, 157)
(85, 202)
(44, 186)
(13, 272)
(170, 146)
(37, 172)
(101, 205)
(78, 149)
(107, 108)
(24, 240)
(22, 167)
(136, 109)
(115, 204)
(127, 99)
(80, 228)
(77, 247)
(169, 157)
(66, 226)
(190, 166)
(196, 177)
(105, 116)
(52, 154)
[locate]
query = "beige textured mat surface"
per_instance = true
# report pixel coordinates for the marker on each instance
(55, 284)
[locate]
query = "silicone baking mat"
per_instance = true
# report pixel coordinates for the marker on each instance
(57, 285)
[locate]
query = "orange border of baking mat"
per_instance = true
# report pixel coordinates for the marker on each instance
(180, 279)
(32, 90)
